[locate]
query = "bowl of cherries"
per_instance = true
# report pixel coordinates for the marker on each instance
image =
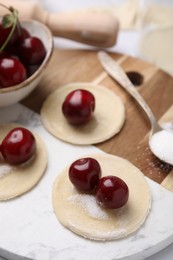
(25, 50)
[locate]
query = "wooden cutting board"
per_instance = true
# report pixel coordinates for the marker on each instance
(69, 66)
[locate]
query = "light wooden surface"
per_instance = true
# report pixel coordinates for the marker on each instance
(132, 142)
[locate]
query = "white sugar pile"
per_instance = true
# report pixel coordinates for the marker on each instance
(89, 204)
(161, 144)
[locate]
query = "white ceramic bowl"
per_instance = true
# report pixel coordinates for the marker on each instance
(13, 94)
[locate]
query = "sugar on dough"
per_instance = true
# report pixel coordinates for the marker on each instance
(80, 213)
(16, 180)
(107, 120)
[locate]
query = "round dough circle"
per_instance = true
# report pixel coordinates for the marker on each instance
(80, 213)
(107, 120)
(20, 179)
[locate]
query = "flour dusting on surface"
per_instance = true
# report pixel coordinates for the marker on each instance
(5, 169)
(89, 204)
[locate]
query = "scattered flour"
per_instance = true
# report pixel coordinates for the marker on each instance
(5, 169)
(161, 144)
(89, 204)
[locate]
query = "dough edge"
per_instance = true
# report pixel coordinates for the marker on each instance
(84, 139)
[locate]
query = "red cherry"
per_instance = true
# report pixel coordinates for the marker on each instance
(4, 54)
(85, 173)
(78, 106)
(32, 51)
(112, 192)
(24, 33)
(12, 72)
(4, 32)
(13, 49)
(18, 146)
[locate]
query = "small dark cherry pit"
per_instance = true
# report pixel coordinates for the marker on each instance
(18, 146)
(22, 50)
(78, 106)
(111, 192)
(85, 174)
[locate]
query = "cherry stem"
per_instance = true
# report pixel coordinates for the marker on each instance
(15, 16)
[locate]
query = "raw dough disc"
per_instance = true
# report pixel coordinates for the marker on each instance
(107, 120)
(16, 180)
(80, 213)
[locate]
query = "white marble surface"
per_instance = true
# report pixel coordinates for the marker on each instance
(30, 229)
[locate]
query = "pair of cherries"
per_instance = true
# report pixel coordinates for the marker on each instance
(110, 191)
(20, 53)
(18, 146)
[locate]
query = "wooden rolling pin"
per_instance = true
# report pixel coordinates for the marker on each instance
(95, 29)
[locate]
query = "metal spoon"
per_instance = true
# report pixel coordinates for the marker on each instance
(116, 72)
